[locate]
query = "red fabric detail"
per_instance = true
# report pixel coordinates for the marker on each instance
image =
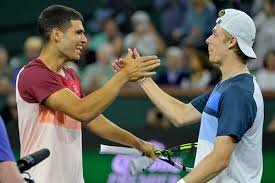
(36, 82)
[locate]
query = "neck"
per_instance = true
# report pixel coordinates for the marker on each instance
(232, 66)
(52, 59)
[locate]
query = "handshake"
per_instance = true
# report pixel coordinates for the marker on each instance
(136, 67)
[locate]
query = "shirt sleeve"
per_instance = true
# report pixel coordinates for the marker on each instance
(200, 102)
(36, 84)
(5, 149)
(237, 113)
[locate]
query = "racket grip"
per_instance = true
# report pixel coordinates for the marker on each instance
(104, 149)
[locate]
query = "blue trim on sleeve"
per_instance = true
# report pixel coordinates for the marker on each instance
(210, 111)
(213, 102)
(200, 102)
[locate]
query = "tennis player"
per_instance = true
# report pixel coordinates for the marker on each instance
(8, 169)
(51, 104)
(230, 137)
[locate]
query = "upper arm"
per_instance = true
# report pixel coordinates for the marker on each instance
(192, 112)
(223, 149)
(65, 101)
(189, 114)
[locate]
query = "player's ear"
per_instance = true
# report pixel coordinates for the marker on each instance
(56, 35)
(232, 42)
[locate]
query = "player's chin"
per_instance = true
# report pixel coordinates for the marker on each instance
(75, 57)
(213, 60)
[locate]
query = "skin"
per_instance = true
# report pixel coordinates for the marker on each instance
(221, 52)
(9, 172)
(66, 45)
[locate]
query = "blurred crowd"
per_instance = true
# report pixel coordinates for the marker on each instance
(175, 30)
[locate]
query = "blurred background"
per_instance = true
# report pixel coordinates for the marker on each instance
(175, 30)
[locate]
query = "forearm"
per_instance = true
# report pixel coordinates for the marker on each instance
(102, 127)
(95, 103)
(172, 108)
(206, 170)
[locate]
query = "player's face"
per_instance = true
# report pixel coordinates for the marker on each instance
(216, 45)
(72, 41)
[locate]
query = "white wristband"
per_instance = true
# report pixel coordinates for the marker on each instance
(181, 181)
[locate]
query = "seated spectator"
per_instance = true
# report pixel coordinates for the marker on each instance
(32, 47)
(97, 74)
(111, 35)
(121, 10)
(12, 107)
(200, 72)
(200, 19)
(174, 72)
(5, 85)
(95, 24)
(172, 15)
(266, 75)
(144, 37)
(265, 37)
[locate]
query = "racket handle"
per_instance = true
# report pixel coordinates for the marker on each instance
(104, 149)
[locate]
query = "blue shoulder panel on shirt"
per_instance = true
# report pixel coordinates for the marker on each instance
(213, 101)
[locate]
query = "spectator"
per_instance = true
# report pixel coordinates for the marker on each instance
(32, 47)
(200, 19)
(111, 35)
(144, 37)
(172, 17)
(266, 75)
(174, 73)
(5, 86)
(200, 72)
(122, 9)
(265, 38)
(97, 74)
(12, 107)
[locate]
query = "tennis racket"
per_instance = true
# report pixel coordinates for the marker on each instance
(164, 155)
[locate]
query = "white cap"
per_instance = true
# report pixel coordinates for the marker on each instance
(240, 25)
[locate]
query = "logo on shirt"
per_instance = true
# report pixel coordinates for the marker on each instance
(76, 90)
